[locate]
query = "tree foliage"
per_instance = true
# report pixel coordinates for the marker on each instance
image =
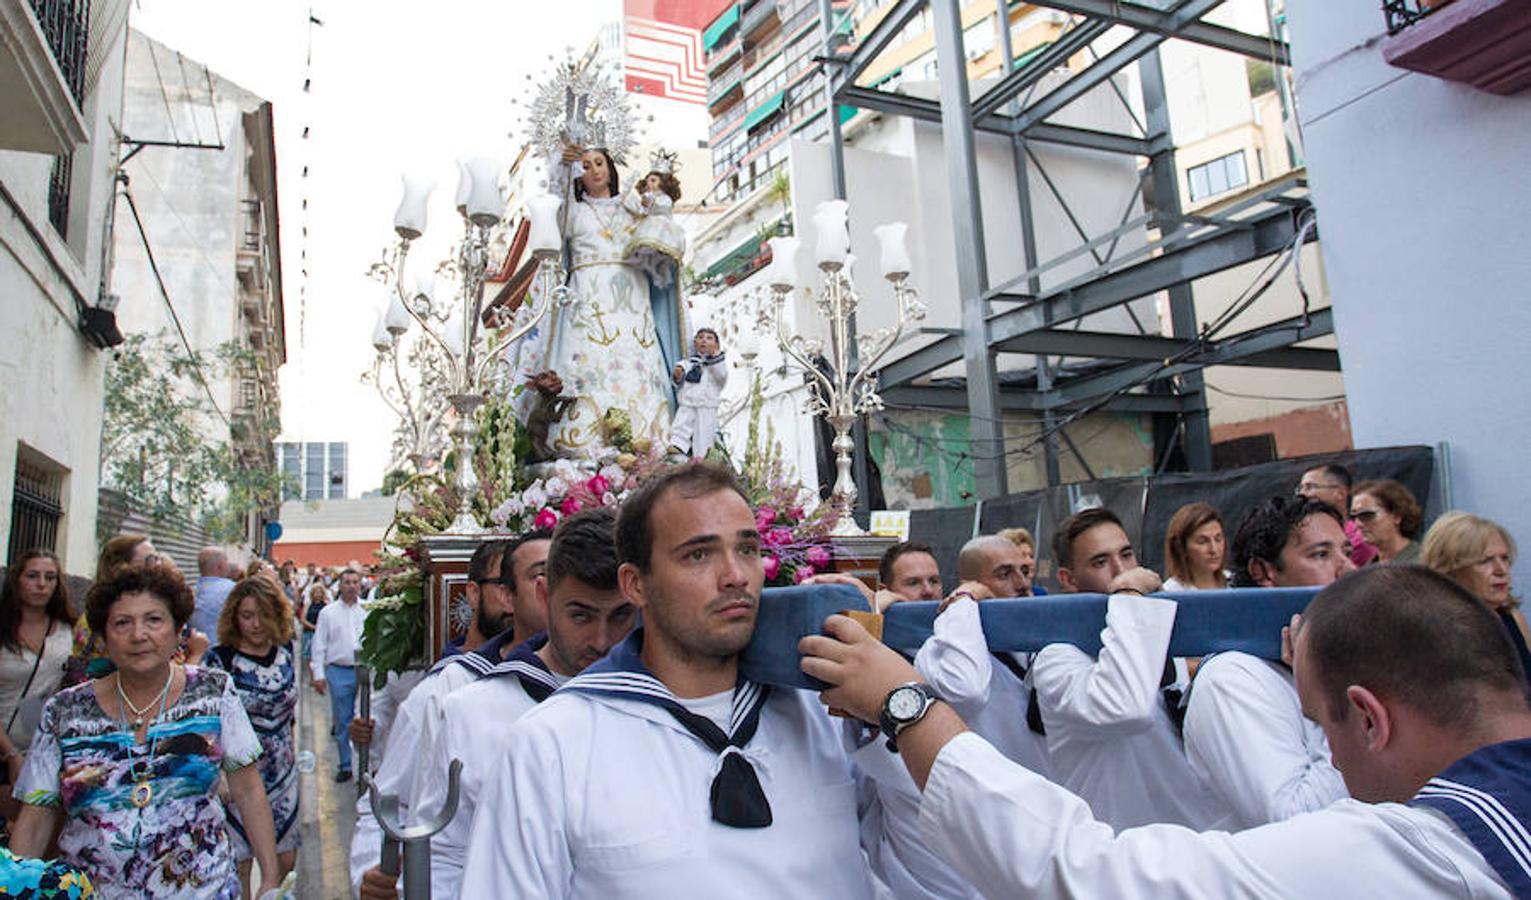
(165, 447)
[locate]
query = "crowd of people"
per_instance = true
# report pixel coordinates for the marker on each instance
(611, 746)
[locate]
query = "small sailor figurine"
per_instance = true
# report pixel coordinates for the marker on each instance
(699, 383)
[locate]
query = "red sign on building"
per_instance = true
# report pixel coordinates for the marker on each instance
(662, 56)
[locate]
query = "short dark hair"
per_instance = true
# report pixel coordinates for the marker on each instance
(348, 571)
(487, 558)
(1398, 500)
(1264, 531)
(584, 547)
(635, 531)
(1334, 470)
(1411, 635)
(10, 597)
(891, 555)
(702, 331)
(1073, 527)
(161, 582)
(508, 562)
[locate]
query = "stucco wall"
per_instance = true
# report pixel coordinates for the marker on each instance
(1421, 187)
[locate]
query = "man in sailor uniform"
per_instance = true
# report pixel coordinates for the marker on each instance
(489, 597)
(1245, 735)
(1433, 738)
(660, 771)
(586, 615)
(1112, 735)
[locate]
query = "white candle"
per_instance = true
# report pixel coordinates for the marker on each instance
(398, 319)
(834, 239)
(748, 344)
(484, 203)
(409, 219)
(452, 336)
(382, 340)
(895, 253)
(782, 273)
(464, 188)
(544, 239)
(422, 283)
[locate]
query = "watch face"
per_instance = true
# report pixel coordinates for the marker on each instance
(905, 703)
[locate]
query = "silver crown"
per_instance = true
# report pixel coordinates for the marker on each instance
(666, 162)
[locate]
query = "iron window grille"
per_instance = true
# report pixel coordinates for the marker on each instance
(36, 508)
(58, 193)
(65, 26)
(1403, 13)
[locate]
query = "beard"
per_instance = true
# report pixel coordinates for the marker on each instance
(488, 625)
(692, 636)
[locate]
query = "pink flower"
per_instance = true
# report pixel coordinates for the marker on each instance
(764, 517)
(818, 556)
(795, 513)
(802, 574)
(571, 505)
(778, 537)
(771, 565)
(546, 518)
(598, 485)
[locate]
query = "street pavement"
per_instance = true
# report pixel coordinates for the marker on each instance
(327, 811)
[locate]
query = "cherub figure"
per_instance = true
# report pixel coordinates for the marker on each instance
(547, 408)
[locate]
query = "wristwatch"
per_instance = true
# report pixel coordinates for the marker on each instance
(904, 705)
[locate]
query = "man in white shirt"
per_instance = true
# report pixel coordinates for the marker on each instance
(660, 771)
(1246, 738)
(404, 750)
(333, 659)
(1398, 705)
(586, 616)
(1111, 735)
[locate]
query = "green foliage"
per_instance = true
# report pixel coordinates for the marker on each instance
(393, 636)
(156, 445)
(394, 480)
(1262, 77)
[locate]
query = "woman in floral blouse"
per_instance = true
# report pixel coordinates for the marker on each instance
(131, 760)
(255, 648)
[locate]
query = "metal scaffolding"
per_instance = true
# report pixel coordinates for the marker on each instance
(1145, 373)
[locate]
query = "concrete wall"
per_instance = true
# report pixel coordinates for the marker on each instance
(1422, 188)
(50, 407)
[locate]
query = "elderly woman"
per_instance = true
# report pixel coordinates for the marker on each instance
(130, 761)
(1195, 549)
(1478, 554)
(255, 648)
(1389, 517)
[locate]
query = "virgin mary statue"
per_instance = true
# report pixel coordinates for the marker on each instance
(607, 344)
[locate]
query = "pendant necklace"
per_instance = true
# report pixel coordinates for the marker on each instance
(607, 227)
(142, 771)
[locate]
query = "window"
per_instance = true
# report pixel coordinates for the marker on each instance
(313, 471)
(36, 505)
(337, 479)
(292, 471)
(1218, 176)
(58, 194)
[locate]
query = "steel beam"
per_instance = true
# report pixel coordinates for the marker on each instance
(875, 42)
(1112, 345)
(1109, 65)
(989, 471)
(1145, 18)
(930, 111)
(940, 397)
(1014, 82)
(1228, 351)
(1188, 259)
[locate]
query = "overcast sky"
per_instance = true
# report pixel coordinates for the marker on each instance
(396, 85)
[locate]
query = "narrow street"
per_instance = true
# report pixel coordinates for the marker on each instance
(328, 810)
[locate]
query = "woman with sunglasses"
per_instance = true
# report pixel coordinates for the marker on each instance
(1390, 519)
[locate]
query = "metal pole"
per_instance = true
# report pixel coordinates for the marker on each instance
(987, 431)
(363, 712)
(859, 471)
(1166, 193)
(1029, 246)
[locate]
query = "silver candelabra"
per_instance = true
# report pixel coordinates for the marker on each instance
(840, 395)
(454, 327)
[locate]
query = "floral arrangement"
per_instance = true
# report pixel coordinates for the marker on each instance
(512, 500)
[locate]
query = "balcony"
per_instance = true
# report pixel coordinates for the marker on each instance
(1483, 43)
(42, 75)
(757, 17)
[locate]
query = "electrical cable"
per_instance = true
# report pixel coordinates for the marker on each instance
(174, 317)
